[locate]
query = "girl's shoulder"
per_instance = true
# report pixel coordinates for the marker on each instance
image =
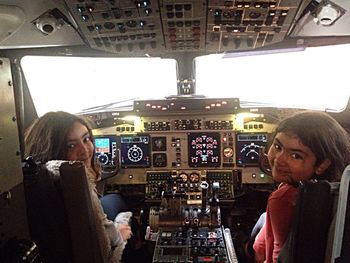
(284, 190)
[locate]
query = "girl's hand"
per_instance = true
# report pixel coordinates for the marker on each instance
(125, 231)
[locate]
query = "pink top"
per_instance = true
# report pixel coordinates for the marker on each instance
(279, 214)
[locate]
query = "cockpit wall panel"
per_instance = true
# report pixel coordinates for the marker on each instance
(10, 168)
(13, 224)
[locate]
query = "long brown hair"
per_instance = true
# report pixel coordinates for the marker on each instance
(45, 139)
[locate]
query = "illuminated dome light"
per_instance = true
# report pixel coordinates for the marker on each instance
(183, 108)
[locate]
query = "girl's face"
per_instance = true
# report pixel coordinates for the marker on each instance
(291, 161)
(79, 144)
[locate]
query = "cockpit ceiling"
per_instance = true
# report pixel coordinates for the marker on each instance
(129, 27)
(209, 26)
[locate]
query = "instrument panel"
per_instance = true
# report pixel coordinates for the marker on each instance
(181, 151)
(186, 150)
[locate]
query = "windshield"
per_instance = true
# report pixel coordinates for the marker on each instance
(76, 84)
(313, 78)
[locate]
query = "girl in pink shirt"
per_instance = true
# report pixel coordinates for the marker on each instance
(308, 145)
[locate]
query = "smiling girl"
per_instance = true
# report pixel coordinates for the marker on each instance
(64, 136)
(308, 145)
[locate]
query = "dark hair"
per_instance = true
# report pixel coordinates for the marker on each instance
(46, 138)
(324, 136)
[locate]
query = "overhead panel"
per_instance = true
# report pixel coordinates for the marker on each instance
(244, 25)
(150, 26)
(120, 26)
(184, 25)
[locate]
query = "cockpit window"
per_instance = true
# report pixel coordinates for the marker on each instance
(77, 84)
(312, 78)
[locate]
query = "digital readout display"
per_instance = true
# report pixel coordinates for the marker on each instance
(204, 149)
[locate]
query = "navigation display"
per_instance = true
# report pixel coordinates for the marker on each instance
(105, 149)
(204, 149)
(135, 151)
(247, 148)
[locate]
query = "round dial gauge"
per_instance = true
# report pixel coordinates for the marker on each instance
(194, 178)
(228, 152)
(184, 177)
(102, 158)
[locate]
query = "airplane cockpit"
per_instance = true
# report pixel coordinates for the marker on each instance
(183, 98)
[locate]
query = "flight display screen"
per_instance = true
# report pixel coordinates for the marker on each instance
(135, 151)
(102, 145)
(105, 149)
(204, 149)
(247, 148)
